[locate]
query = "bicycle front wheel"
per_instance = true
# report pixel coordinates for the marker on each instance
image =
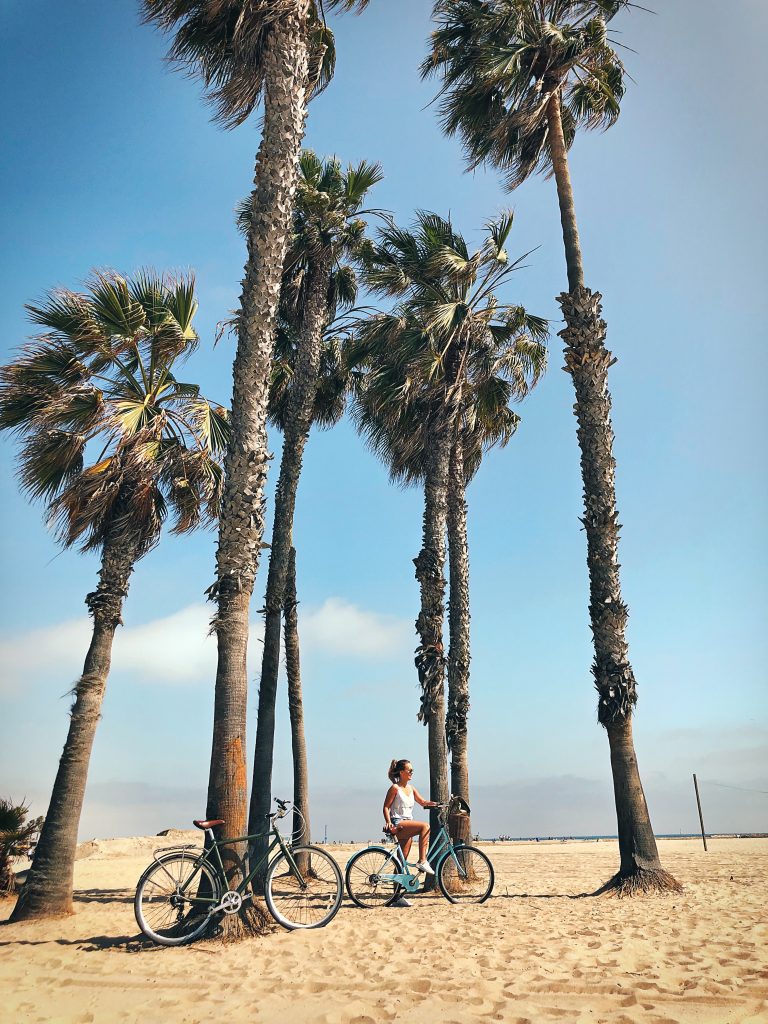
(305, 896)
(174, 899)
(467, 879)
(365, 884)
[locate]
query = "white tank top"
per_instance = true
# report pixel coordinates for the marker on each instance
(402, 805)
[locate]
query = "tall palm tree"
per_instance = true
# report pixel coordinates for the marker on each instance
(302, 831)
(419, 361)
(501, 368)
(112, 442)
(499, 372)
(519, 78)
(245, 52)
(330, 401)
(327, 231)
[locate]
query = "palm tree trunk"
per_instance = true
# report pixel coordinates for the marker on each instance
(587, 361)
(459, 652)
(299, 415)
(301, 828)
(7, 876)
(241, 523)
(430, 657)
(47, 891)
(559, 154)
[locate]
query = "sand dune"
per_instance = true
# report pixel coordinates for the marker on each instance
(535, 952)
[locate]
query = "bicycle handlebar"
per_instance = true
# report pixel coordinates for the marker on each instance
(283, 806)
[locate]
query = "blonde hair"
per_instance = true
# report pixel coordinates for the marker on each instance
(395, 767)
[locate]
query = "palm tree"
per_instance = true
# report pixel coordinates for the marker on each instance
(499, 372)
(519, 78)
(302, 831)
(420, 359)
(246, 51)
(330, 401)
(112, 442)
(327, 230)
(16, 835)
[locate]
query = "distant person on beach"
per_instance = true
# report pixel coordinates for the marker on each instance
(398, 815)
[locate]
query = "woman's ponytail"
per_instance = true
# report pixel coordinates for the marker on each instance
(395, 767)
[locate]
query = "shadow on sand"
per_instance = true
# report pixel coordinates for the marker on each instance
(91, 944)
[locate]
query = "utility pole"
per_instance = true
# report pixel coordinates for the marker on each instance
(701, 818)
(325, 840)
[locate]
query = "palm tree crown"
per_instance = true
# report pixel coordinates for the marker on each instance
(502, 61)
(327, 222)
(449, 351)
(223, 42)
(112, 441)
(327, 226)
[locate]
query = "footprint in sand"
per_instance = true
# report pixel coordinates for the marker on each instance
(421, 985)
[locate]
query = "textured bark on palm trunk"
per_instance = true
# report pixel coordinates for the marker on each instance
(301, 828)
(47, 891)
(587, 361)
(242, 513)
(430, 656)
(7, 876)
(298, 422)
(459, 650)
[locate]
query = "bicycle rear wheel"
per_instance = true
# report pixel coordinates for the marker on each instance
(174, 899)
(365, 885)
(307, 896)
(468, 881)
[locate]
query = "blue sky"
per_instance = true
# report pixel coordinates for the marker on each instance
(115, 163)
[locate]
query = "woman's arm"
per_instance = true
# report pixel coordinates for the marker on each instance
(388, 801)
(420, 799)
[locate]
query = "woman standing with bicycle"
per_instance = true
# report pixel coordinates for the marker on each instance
(398, 815)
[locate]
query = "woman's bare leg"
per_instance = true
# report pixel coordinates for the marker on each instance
(406, 832)
(423, 843)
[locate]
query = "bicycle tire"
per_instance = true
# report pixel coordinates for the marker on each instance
(311, 905)
(159, 907)
(473, 887)
(364, 889)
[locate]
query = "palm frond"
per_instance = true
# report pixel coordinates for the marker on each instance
(103, 376)
(49, 459)
(500, 62)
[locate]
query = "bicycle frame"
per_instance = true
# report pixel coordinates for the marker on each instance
(206, 857)
(440, 848)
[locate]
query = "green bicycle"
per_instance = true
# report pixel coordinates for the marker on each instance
(377, 876)
(184, 889)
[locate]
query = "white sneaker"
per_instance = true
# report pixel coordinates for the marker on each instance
(402, 902)
(424, 867)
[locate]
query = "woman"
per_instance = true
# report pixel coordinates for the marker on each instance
(398, 815)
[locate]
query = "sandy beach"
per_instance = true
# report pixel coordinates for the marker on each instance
(534, 952)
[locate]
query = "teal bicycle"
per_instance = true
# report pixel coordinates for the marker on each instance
(378, 875)
(185, 888)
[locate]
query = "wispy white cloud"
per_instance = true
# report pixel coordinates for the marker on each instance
(178, 649)
(341, 628)
(175, 649)
(27, 656)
